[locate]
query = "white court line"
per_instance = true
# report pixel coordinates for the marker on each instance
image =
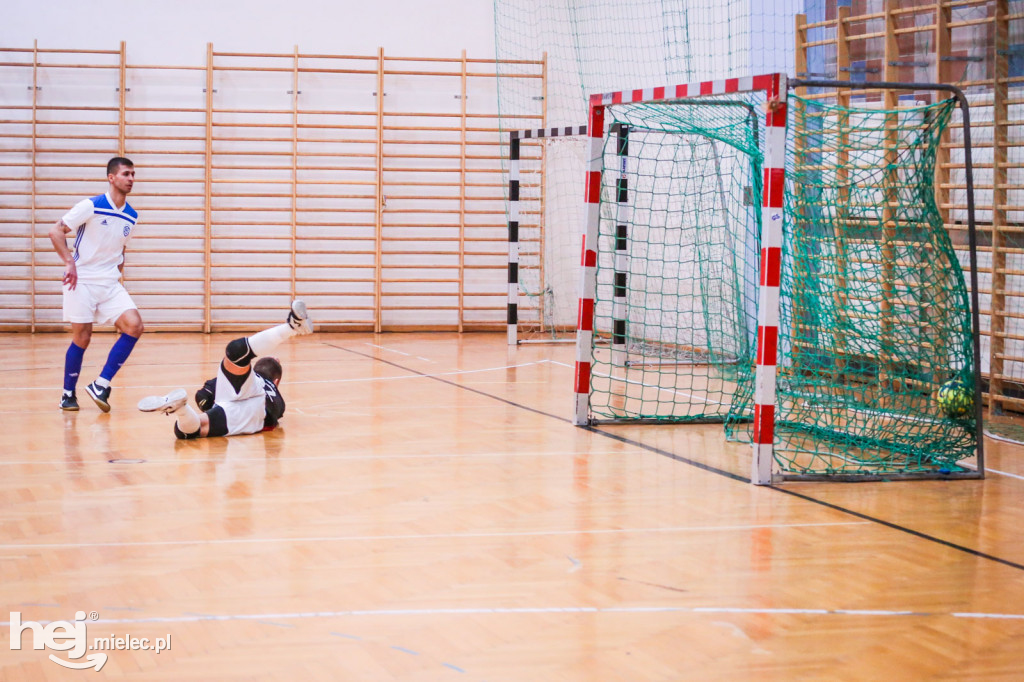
(315, 381)
(705, 400)
(989, 470)
(419, 376)
(261, 459)
(1001, 439)
(390, 350)
(872, 412)
(1001, 473)
(427, 536)
(539, 610)
(500, 381)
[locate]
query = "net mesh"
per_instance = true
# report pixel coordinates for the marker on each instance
(548, 259)
(689, 269)
(594, 46)
(875, 313)
(875, 344)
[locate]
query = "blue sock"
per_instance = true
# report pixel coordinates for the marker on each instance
(72, 366)
(118, 355)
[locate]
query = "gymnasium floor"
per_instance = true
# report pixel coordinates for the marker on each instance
(427, 512)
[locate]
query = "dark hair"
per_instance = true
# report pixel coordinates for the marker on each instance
(116, 163)
(268, 368)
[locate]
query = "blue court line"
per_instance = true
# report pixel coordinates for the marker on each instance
(408, 651)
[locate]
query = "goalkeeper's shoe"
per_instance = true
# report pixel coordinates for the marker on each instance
(168, 404)
(299, 319)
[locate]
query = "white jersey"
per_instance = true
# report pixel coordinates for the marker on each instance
(245, 409)
(101, 233)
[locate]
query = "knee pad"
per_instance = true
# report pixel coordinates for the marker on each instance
(206, 396)
(204, 399)
(238, 352)
(184, 436)
(218, 422)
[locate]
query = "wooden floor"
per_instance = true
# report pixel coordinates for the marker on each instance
(427, 512)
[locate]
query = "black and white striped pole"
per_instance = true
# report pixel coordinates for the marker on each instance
(619, 300)
(513, 238)
(515, 137)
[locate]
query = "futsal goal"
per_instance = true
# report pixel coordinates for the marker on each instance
(544, 219)
(778, 263)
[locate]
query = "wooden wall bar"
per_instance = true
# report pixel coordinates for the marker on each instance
(1000, 197)
(61, 121)
(370, 185)
(978, 45)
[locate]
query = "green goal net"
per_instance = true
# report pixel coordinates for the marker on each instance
(876, 371)
(677, 260)
(595, 46)
(876, 367)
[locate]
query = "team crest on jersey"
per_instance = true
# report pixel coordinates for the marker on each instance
(127, 229)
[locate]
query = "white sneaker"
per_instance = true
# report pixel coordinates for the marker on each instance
(298, 318)
(168, 404)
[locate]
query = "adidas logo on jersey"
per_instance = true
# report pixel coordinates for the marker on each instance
(103, 222)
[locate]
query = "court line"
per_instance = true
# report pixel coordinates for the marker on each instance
(989, 470)
(427, 536)
(393, 350)
(421, 375)
(268, 618)
(715, 470)
(451, 383)
(670, 455)
(262, 459)
(660, 388)
(414, 375)
(390, 350)
(1001, 473)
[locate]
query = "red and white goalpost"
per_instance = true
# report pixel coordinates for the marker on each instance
(774, 89)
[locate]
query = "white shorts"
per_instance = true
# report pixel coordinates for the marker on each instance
(244, 409)
(96, 303)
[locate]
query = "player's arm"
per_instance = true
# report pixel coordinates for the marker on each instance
(124, 252)
(58, 237)
(206, 396)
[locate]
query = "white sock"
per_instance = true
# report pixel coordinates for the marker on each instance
(188, 419)
(102, 383)
(267, 340)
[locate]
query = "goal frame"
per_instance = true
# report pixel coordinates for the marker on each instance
(972, 248)
(514, 139)
(776, 88)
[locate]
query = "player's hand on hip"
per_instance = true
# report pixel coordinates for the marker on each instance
(70, 275)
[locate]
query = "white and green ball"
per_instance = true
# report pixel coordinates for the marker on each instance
(956, 399)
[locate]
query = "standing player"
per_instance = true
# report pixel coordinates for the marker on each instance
(93, 292)
(244, 397)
